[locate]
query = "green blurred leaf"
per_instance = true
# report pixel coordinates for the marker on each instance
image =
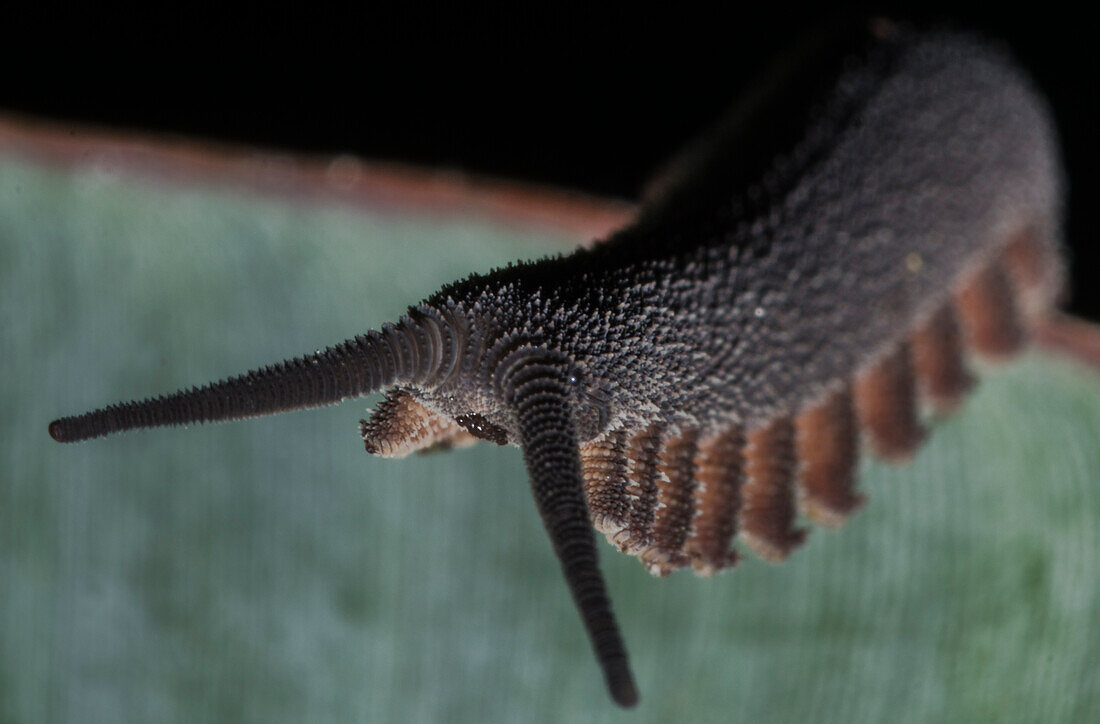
(272, 570)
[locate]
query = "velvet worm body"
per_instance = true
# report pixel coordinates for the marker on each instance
(884, 204)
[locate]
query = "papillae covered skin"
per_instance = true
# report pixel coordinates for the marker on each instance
(885, 203)
(742, 311)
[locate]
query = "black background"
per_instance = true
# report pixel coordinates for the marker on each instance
(585, 99)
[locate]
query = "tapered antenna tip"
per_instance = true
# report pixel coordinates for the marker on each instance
(57, 431)
(621, 684)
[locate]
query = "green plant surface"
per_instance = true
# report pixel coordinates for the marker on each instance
(271, 570)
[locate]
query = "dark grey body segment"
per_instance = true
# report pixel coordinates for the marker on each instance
(936, 153)
(670, 383)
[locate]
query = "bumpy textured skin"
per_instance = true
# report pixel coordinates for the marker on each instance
(883, 204)
(740, 297)
(750, 310)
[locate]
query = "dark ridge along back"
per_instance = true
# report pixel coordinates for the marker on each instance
(800, 285)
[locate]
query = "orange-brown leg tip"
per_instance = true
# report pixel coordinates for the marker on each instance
(988, 312)
(886, 406)
(675, 504)
(769, 508)
(604, 469)
(719, 467)
(827, 445)
(643, 452)
(1025, 260)
(939, 363)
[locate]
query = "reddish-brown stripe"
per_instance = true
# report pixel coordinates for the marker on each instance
(827, 444)
(675, 498)
(987, 311)
(603, 465)
(938, 361)
(768, 512)
(390, 187)
(886, 405)
(643, 452)
(719, 471)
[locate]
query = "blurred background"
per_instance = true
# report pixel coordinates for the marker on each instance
(272, 571)
(592, 98)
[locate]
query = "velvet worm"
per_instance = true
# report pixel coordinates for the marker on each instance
(795, 288)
